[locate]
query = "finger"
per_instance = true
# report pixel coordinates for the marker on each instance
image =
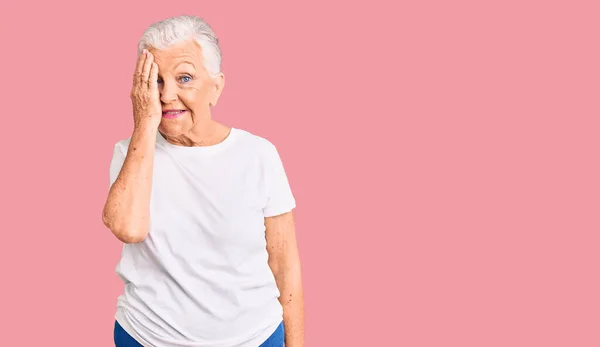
(154, 76)
(139, 67)
(147, 66)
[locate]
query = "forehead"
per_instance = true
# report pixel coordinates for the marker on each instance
(188, 51)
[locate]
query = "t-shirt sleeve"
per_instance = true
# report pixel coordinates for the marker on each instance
(280, 198)
(116, 163)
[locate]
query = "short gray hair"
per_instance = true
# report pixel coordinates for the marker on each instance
(169, 31)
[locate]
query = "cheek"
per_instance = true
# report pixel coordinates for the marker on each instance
(194, 96)
(189, 97)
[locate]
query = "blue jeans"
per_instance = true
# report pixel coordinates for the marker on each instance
(123, 339)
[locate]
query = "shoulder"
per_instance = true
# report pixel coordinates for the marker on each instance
(257, 143)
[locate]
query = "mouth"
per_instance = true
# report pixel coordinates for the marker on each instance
(171, 114)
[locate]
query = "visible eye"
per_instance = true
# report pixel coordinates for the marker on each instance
(185, 79)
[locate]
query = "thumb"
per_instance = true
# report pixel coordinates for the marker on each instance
(154, 77)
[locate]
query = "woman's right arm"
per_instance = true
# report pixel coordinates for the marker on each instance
(127, 209)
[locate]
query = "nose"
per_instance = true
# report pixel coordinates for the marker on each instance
(168, 93)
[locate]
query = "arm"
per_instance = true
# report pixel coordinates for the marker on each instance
(284, 261)
(127, 208)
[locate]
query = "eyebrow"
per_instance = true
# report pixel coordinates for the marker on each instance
(186, 62)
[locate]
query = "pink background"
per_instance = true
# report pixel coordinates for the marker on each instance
(444, 156)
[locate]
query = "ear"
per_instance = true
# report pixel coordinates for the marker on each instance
(218, 85)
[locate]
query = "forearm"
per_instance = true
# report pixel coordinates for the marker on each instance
(127, 209)
(292, 300)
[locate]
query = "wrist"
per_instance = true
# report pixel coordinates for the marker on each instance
(145, 128)
(144, 135)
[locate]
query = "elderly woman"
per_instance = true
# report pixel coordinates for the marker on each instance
(204, 210)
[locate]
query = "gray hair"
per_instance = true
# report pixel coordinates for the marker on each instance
(167, 32)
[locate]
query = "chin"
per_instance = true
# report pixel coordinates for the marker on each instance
(171, 128)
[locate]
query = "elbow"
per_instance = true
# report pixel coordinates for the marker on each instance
(125, 232)
(131, 237)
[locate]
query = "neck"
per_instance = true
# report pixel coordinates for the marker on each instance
(203, 134)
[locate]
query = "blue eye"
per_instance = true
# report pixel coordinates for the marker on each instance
(184, 79)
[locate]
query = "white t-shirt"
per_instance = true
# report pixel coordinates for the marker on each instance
(201, 277)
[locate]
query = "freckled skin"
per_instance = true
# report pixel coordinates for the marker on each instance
(184, 83)
(284, 262)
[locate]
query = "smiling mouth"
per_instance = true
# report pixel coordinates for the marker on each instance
(172, 113)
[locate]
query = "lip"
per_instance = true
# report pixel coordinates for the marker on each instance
(169, 114)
